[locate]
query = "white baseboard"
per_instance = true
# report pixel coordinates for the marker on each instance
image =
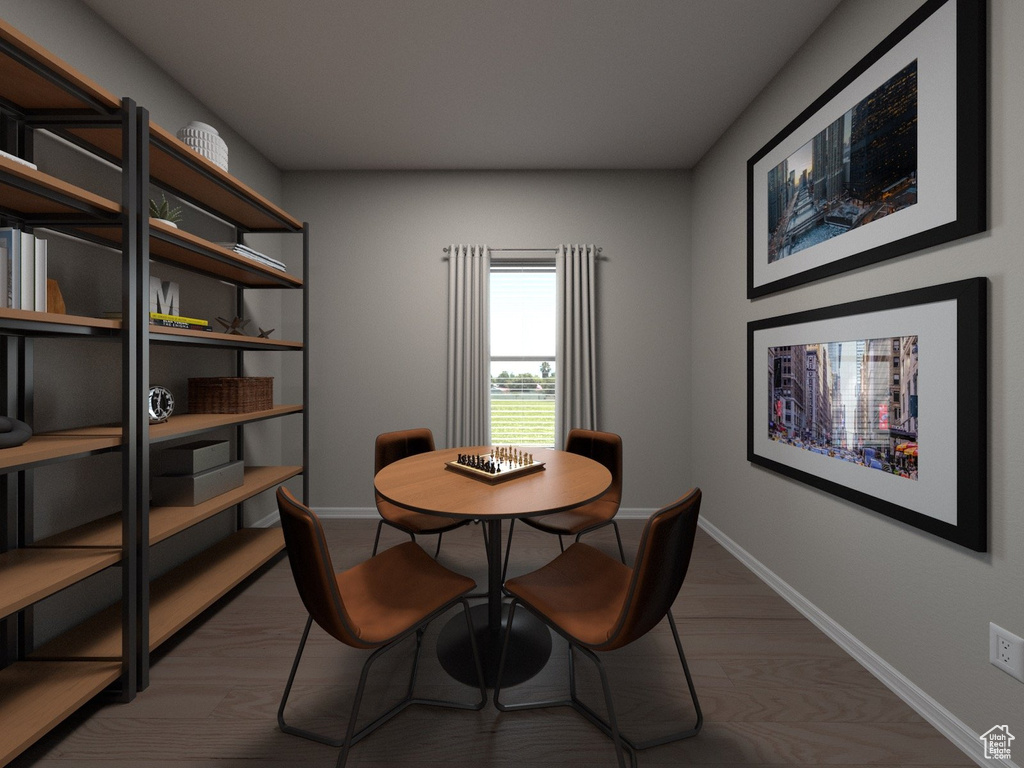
(941, 718)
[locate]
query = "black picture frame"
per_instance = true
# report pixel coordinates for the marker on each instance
(949, 164)
(947, 497)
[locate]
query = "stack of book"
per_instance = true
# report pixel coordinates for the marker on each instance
(249, 253)
(22, 270)
(168, 321)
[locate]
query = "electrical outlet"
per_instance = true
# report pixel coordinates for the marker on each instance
(1006, 651)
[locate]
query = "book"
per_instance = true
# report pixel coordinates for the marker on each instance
(4, 300)
(40, 275)
(249, 253)
(178, 324)
(11, 237)
(177, 318)
(28, 271)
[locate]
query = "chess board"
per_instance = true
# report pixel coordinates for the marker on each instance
(507, 470)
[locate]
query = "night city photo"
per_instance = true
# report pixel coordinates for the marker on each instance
(855, 401)
(860, 168)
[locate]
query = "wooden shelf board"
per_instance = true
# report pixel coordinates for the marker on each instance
(31, 91)
(175, 598)
(214, 337)
(100, 324)
(28, 575)
(176, 166)
(176, 426)
(37, 695)
(190, 423)
(165, 522)
(50, 446)
(176, 246)
(28, 202)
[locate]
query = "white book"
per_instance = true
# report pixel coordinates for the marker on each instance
(12, 238)
(40, 275)
(4, 266)
(28, 271)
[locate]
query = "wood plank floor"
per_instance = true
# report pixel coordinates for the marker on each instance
(775, 691)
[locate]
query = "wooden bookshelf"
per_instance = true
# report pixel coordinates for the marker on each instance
(37, 695)
(29, 575)
(165, 522)
(26, 191)
(64, 88)
(53, 446)
(183, 249)
(175, 598)
(50, 323)
(159, 333)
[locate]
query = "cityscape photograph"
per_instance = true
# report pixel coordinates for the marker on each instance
(859, 169)
(854, 401)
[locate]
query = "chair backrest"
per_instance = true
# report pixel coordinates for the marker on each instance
(392, 446)
(313, 570)
(661, 564)
(603, 447)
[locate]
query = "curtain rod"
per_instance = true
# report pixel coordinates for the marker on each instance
(447, 249)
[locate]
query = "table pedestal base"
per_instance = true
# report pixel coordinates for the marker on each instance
(529, 648)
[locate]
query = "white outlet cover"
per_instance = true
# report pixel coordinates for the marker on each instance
(1015, 665)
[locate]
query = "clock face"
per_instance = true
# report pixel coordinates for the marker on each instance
(161, 404)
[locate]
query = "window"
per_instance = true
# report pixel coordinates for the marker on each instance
(523, 370)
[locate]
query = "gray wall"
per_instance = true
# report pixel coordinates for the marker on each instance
(920, 603)
(379, 287)
(71, 493)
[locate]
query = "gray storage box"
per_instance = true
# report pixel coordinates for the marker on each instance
(190, 458)
(189, 490)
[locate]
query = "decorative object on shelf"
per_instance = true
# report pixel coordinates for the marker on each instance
(230, 394)
(161, 404)
(13, 432)
(54, 298)
(190, 458)
(266, 334)
(235, 326)
(205, 140)
(23, 265)
(187, 490)
(904, 440)
(877, 167)
(164, 211)
(252, 255)
(163, 296)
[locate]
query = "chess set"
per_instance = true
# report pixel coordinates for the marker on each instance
(497, 466)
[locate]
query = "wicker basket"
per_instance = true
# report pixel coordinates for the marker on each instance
(226, 394)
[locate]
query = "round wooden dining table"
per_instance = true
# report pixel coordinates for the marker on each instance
(424, 483)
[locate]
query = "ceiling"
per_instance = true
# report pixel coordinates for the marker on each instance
(472, 84)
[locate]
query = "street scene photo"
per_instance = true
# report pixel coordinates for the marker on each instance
(862, 167)
(855, 401)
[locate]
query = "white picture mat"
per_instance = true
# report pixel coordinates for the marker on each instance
(933, 44)
(934, 492)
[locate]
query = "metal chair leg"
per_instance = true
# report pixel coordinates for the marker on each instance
(618, 538)
(353, 737)
(623, 745)
(376, 539)
(438, 550)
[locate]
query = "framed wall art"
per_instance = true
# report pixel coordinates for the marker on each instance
(889, 160)
(881, 402)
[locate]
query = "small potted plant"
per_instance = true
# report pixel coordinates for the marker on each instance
(164, 211)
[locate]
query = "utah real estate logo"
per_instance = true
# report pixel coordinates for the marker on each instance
(997, 742)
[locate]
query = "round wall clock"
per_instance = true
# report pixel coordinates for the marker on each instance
(161, 404)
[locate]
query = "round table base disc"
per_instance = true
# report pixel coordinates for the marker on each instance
(529, 648)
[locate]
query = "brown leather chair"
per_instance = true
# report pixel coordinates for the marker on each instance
(390, 447)
(374, 605)
(598, 604)
(606, 448)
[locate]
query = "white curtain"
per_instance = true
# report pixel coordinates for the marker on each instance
(469, 346)
(576, 392)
